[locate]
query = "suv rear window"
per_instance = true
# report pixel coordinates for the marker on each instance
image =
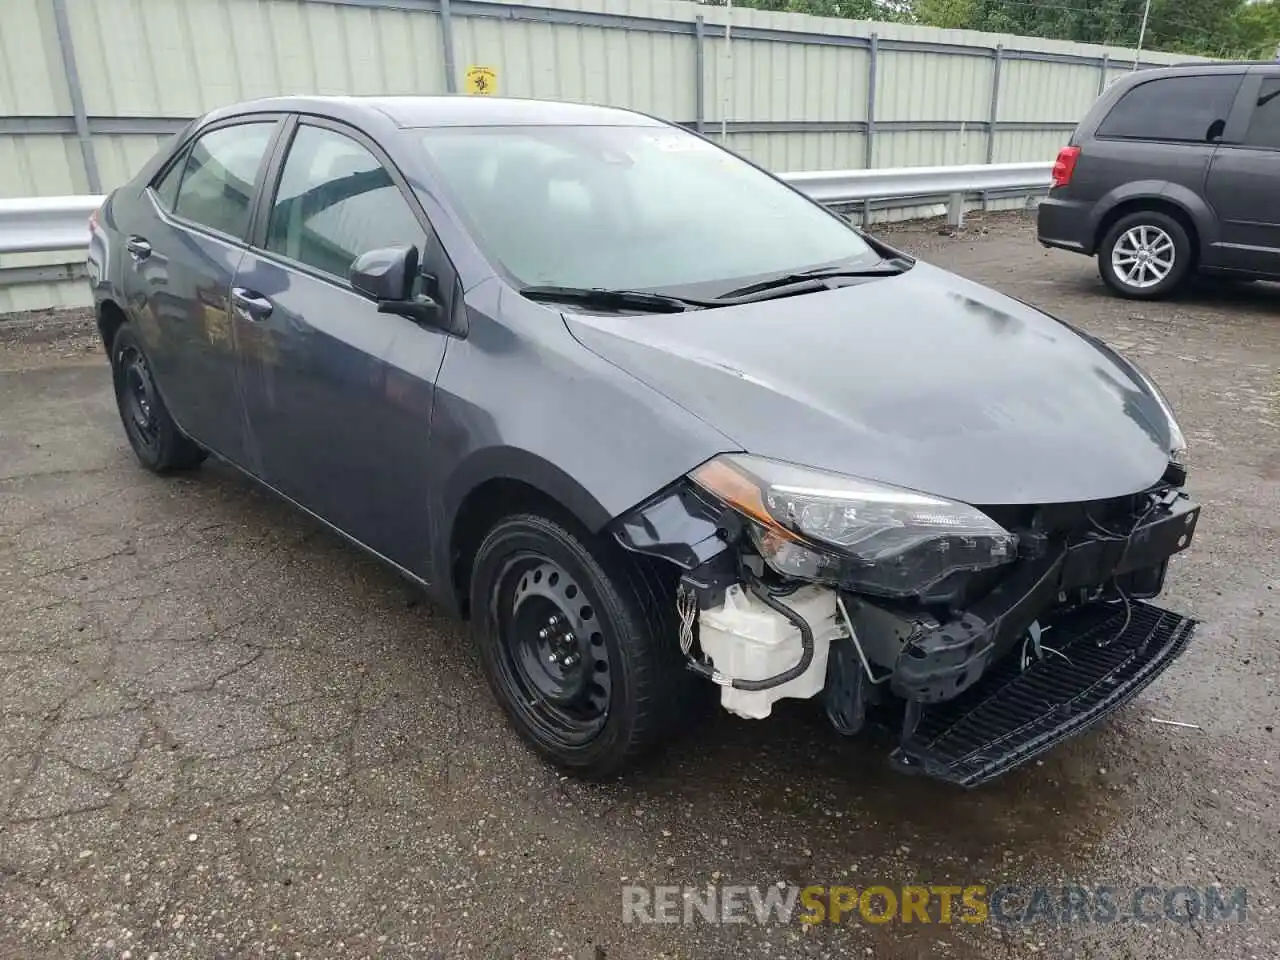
(1189, 109)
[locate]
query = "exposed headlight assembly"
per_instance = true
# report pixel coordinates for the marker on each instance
(865, 535)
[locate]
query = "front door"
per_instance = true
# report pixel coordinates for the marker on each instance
(338, 395)
(1244, 183)
(184, 250)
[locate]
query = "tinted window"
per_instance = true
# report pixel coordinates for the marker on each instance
(167, 188)
(217, 185)
(1176, 108)
(335, 202)
(642, 206)
(1264, 128)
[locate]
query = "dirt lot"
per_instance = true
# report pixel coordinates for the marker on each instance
(225, 733)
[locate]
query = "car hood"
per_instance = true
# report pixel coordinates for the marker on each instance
(924, 380)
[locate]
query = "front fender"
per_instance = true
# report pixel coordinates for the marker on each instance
(522, 466)
(520, 399)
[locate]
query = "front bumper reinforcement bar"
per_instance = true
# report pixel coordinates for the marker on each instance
(1109, 653)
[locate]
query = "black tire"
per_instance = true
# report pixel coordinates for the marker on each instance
(628, 688)
(156, 440)
(1161, 226)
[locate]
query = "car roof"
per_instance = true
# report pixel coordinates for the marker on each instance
(1192, 69)
(447, 111)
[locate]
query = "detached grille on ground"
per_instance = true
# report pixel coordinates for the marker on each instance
(1012, 714)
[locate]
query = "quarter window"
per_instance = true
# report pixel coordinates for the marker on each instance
(1264, 128)
(335, 202)
(218, 179)
(1192, 109)
(167, 188)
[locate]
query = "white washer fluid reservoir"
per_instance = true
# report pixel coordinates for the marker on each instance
(747, 640)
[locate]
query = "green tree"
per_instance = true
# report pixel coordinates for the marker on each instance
(1205, 27)
(1114, 22)
(1257, 30)
(1215, 28)
(1248, 29)
(952, 14)
(849, 9)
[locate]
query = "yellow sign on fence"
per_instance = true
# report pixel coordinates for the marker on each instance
(482, 81)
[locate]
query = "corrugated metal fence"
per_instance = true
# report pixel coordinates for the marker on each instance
(90, 88)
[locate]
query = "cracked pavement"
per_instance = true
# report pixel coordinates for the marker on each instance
(224, 732)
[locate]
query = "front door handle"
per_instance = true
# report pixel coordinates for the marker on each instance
(138, 247)
(250, 305)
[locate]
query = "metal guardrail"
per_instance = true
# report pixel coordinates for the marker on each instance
(46, 224)
(51, 224)
(837, 187)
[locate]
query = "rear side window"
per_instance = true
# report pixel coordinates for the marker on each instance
(335, 202)
(1264, 128)
(1188, 109)
(218, 177)
(167, 187)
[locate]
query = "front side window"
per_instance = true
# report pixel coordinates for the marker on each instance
(219, 176)
(1264, 128)
(640, 207)
(335, 202)
(1192, 109)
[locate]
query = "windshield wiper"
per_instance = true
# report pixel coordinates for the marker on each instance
(812, 279)
(606, 299)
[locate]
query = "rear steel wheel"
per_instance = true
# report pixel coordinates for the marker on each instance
(156, 440)
(138, 399)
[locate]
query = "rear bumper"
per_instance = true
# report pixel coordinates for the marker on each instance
(1104, 655)
(1064, 224)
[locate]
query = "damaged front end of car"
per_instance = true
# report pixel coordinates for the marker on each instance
(989, 633)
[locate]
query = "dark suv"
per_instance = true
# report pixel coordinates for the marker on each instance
(1173, 171)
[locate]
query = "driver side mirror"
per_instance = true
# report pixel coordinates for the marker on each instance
(389, 276)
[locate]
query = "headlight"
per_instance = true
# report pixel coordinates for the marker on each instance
(866, 535)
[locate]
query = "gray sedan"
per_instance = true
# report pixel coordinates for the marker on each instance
(655, 422)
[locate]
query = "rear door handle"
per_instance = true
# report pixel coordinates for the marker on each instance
(250, 305)
(138, 248)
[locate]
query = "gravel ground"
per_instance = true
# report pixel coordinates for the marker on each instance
(225, 733)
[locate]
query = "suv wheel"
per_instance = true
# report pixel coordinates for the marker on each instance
(579, 644)
(1145, 255)
(156, 440)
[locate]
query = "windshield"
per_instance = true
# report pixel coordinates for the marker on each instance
(630, 208)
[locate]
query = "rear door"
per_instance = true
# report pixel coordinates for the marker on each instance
(339, 395)
(184, 244)
(1244, 179)
(1161, 131)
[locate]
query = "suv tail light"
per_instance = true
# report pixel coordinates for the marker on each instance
(1065, 165)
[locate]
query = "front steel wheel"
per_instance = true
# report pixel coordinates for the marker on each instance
(578, 643)
(552, 657)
